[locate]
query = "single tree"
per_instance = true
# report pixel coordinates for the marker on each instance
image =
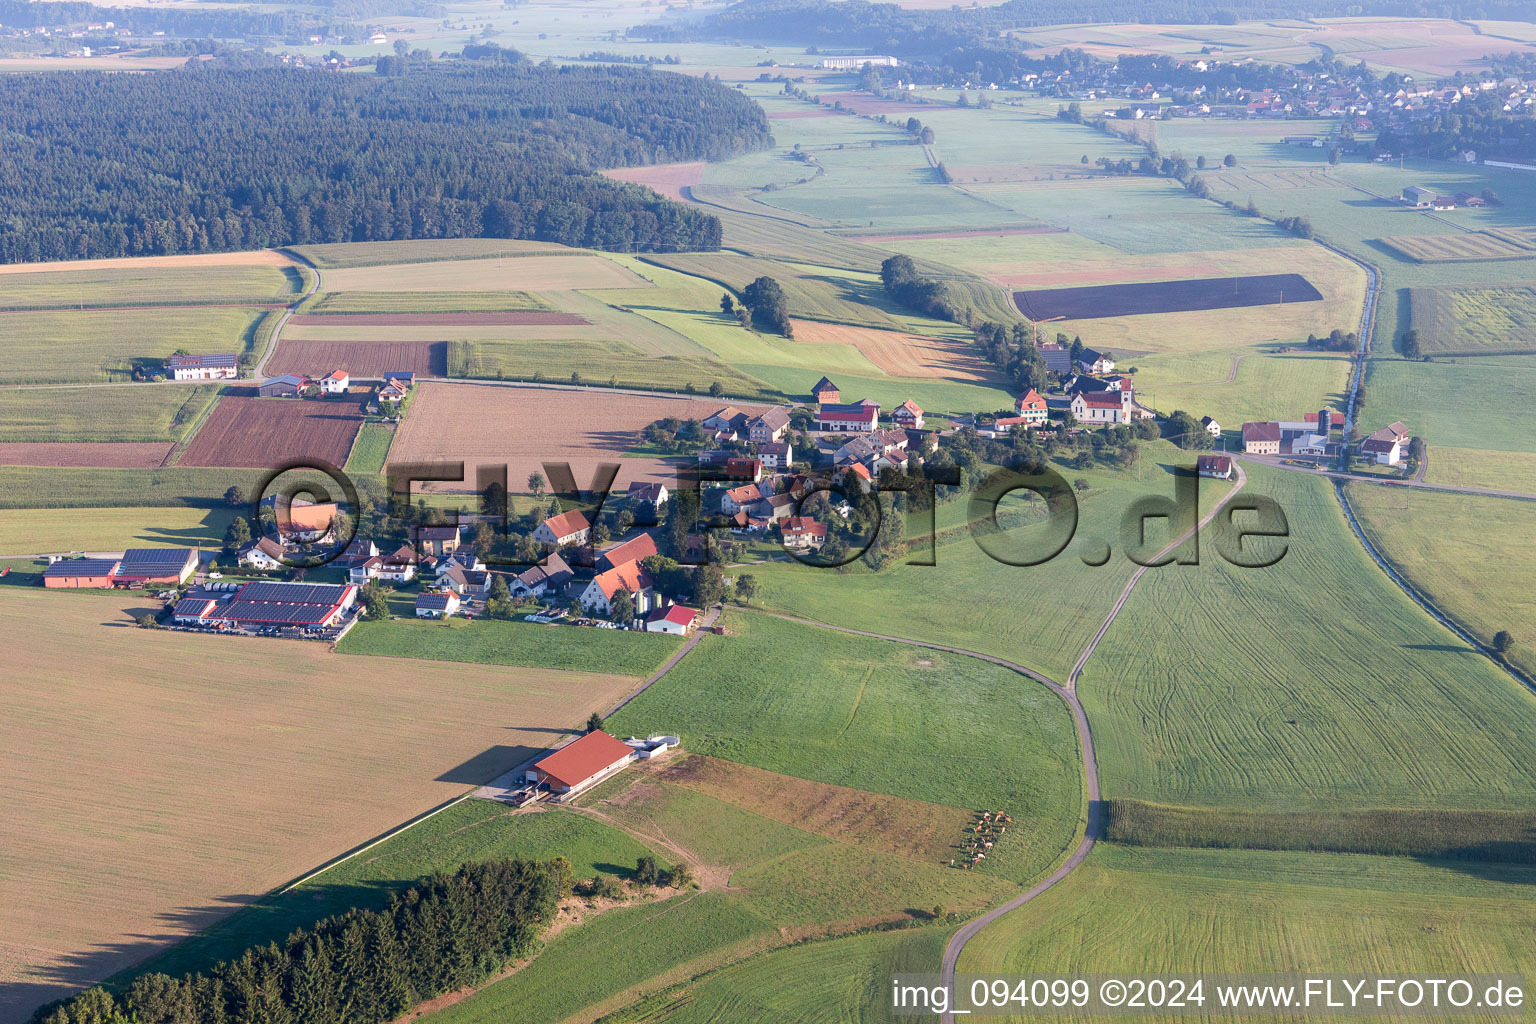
(536, 484)
(1229, 160)
(646, 871)
(680, 877)
(234, 497)
(238, 535)
(716, 389)
(622, 608)
(1503, 641)
(727, 304)
(1081, 484)
(746, 588)
(1411, 348)
(594, 722)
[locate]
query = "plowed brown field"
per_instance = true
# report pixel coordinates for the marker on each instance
(529, 318)
(901, 355)
(110, 454)
(263, 433)
(668, 179)
(524, 427)
(360, 358)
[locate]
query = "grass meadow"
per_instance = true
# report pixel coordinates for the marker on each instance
(872, 715)
(1313, 684)
(1475, 321)
(371, 449)
(132, 285)
(144, 413)
(487, 642)
(68, 487)
(1218, 911)
(95, 345)
(419, 302)
(33, 530)
(1464, 552)
(1460, 403)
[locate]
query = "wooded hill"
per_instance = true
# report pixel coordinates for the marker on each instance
(215, 157)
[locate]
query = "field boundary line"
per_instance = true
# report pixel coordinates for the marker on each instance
(1420, 598)
(259, 371)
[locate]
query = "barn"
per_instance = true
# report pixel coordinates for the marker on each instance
(134, 568)
(81, 572)
(264, 605)
(577, 767)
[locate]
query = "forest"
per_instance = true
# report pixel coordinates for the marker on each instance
(215, 156)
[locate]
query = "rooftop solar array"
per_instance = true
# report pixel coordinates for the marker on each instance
(82, 567)
(274, 611)
(154, 561)
(326, 594)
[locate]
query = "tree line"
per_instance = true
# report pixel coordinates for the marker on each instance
(363, 967)
(213, 158)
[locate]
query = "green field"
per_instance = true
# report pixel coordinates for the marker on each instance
(1217, 911)
(468, 832)
(1474, 321)
(871, 715)
(533, 645)
(423, 302)
(1441, 542)
(371, 449)
(81, 346)
(613, 361)
(55, 487)
(333, 256)
(146, 413)
(35, 530)
(1480, 467)
(1312, 684)
(1461, 403)
(141, 286)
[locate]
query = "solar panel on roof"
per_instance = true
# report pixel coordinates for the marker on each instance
(154, 561)
(293, 593)
(81, 567)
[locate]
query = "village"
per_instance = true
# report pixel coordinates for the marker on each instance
(787, 477)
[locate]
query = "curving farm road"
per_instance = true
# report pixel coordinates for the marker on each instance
(1094, 827)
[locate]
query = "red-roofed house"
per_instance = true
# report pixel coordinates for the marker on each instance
(632, 550)
(1031, 407)
(1102, 406)
(1261, 438)
(581, 765)
(848, 419)
(1218, 467)
(336, 382)
(825, 391)
(738, 498)
(563, 529)
(628, 578)
(679, 620)
(803, 532)
(908, 414)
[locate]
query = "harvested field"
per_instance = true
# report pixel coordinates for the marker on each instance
(168, 779)
(901, 355)
(128, 287)
(360, 358)
(798, 115)
(919, 236)
(114, 455)
(1469, 321)
(524, 427)
(422, 302)
(135, 412)
(261, 433)
(1269, 181)
(1470, 247)
(906, 828)
(521, 318)
(1104, 275)
(196, 261)
(332, 255)
(667, 179)
(1098, 301)
(865, 103)
(540, 272)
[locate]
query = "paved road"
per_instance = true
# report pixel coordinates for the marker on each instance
(1275, 462)
(260, 372)
(502, 787)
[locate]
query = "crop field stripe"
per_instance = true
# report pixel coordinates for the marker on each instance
(536, 318)
(360, 358)
(262, 433)
(1095, 302)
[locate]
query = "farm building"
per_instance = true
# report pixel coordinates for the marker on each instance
(287, 386)
(1031, 407)
(768, 427)
(223, 366)
(632, 550)
(1057, 358)
(854, 63)
(405, 378)
(1385, 447)
(1310, 444)
(302, 521)
(140, 566)
(908, 414)
(647, 495)
(1217, 467)
(336, 382)
(1261, 438)
(262, 605)
(729, 418)
(563, 529)
(826, 393)
(1305, 141)
(88, 573)
(628, 578)
(776, 454)
(848, 419)
(392, 392)
(437, 541)
(1417, 196)
(436, 605)
(579, 766)
(679, 620)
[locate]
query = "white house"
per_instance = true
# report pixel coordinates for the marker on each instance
(679, 620)
(628, 578)
(223, 366)
(862, 418)
(563, 529)
(335, 383)
(776, 454)
(436, 604)
(1093, 361)
(264, 553)
(1211, 426)
(1102, 407)
(399, 567)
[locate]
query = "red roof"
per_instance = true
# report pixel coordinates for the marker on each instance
(803, 526)
(682, 615)
(628, 577)
(1029, 400)
(1102, 399)
(911, 407)
(567, 523)
(577, 762)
